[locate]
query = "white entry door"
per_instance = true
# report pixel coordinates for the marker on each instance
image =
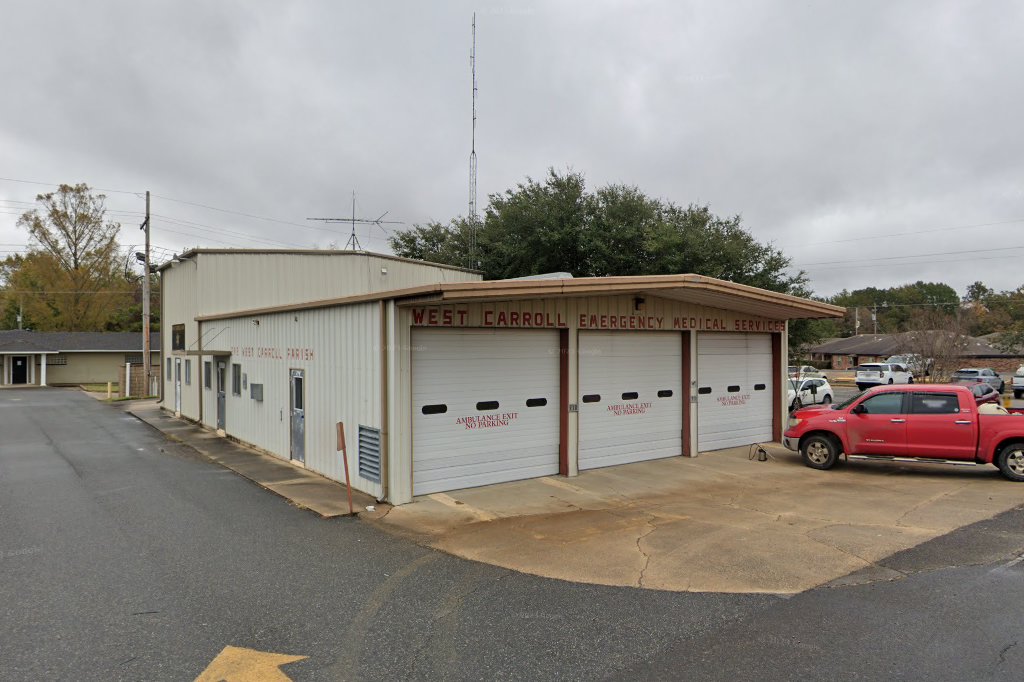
(734, 390)
(630, 397)
(485, 407)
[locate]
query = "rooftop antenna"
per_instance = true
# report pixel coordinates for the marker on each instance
(353, 240)
(472, 157)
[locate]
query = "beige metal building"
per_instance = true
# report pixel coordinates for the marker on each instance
(69, 358)
(457, 382)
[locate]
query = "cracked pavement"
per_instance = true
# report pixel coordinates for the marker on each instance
(717, 523)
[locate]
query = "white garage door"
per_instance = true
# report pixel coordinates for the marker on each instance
(734, 390)
(630, 397)
(485, 407)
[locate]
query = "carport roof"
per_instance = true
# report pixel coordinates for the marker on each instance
(697, 289)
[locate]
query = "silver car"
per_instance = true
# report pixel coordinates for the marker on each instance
(979, 375)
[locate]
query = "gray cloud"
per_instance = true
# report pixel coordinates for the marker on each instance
(819, 123)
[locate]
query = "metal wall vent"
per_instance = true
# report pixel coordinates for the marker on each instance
(369, 453)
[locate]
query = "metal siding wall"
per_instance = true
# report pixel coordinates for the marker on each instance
(241, 281)
(342, 382)
(400, 401)
(180, 288)
(210, 283)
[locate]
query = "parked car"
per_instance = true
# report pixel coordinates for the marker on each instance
(1017, 383)
(932, 422)
(877, 373)
(977, 375)
(809, 392)
(805, 372)
(917, 365)
(983, 393)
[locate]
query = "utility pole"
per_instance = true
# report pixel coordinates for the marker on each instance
(874, 317)
(146, 360)
(353, 240)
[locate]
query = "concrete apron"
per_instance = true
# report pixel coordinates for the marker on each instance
(717, 523)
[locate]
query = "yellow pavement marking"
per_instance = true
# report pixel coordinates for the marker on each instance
(566, 486)
(237, 664)
(450, 501)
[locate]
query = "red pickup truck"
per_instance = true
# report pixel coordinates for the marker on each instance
(913, 422)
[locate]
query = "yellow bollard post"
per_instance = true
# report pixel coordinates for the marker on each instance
(108, 390)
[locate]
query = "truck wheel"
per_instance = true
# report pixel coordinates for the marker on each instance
(797, 404)
(890, 380)
(827, 400)
(1010, 461)
(1018, 394)
(822, 452)
(1002, 386)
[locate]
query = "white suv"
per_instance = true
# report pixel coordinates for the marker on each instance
(877, 373)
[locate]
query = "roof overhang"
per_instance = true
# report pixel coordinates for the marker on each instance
(696, 289)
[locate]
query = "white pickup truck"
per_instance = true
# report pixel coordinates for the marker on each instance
(1018, 383)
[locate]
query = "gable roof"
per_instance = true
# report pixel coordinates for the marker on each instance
(25, 341)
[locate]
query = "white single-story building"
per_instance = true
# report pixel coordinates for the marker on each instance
(69, 358)
(458, 382)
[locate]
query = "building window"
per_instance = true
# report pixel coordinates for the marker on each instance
(236, 379)
(188, 372)
(59, 359)
(206, 374)
(168, 373)
(133, 358)
(178, 337)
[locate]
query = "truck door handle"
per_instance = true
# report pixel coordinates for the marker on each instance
(963, 422)
(898, 421)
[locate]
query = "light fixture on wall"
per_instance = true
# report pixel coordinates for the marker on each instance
(255, 323)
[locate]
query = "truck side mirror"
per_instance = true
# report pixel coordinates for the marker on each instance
(859, 409)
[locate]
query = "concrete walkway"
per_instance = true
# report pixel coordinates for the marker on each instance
(305, 489)
(720, 522)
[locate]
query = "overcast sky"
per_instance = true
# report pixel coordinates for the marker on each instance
(876, 143)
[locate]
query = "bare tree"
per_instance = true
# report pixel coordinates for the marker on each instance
(939, 339)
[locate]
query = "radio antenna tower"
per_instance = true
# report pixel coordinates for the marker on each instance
(353, 240)
(472, 157)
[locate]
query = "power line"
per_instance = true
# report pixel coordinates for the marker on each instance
(903, 234)
(890, 265)
(916, 255)
(51, 184)
(247, 215)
